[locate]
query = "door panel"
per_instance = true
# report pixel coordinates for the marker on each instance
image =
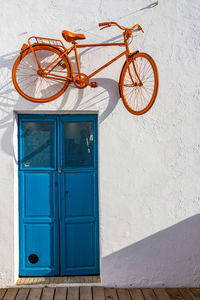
(38, 200)
(39, 241)
(80, 250)
(79, 194)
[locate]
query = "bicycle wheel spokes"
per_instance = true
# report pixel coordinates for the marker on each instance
(33, 83)
(139, 96)
(139, 90)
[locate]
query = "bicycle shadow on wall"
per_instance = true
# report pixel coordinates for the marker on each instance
(11, 101)
(7, 101)
(108, 97)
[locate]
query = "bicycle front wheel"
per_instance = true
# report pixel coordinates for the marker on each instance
(139, 98)
(34, 86)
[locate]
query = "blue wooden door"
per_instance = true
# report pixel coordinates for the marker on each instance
(58, 207)
(79, 216)
(38, 210)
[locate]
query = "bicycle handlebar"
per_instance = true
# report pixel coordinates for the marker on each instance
(104, 24)
(108, 24)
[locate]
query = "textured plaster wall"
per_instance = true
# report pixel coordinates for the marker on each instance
(149, 166)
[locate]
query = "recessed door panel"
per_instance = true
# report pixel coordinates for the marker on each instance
(80, 251)
(39, 242)
(38, 198)
(79, 194)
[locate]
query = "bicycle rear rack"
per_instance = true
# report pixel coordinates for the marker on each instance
(40, 40)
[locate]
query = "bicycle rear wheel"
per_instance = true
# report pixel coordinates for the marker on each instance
(138, 99)
(29, 82)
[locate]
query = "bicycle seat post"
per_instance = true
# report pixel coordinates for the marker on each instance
(77, 58)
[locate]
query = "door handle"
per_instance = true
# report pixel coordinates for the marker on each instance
(59, 170)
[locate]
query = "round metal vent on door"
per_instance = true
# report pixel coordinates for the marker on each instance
(33, 258)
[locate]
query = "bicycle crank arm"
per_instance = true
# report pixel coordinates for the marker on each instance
(81, 80)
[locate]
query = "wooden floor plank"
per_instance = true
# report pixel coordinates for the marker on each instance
(85, 293)
(174, 294)
(48, 293)
(161, 294)
(98, 293)
(60, 293)
(196, 293)
(22, 294)
(73, 293)
(2, 293)
(187, 294)
(35, 294)
(149, 294)
(123, 294)
(110, 294)
(10, 294)
(136, 294)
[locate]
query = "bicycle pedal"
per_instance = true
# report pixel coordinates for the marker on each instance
(93, 84)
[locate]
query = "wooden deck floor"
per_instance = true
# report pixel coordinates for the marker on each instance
(97, 293)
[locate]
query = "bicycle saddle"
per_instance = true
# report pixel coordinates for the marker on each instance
(70, 36)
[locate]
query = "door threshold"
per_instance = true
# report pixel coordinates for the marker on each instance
(58, 280)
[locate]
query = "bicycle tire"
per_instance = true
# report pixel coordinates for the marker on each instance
(139, 99)
(30, 84)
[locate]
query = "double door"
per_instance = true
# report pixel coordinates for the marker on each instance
(58, 195)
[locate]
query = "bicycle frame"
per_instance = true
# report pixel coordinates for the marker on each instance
(74, 47)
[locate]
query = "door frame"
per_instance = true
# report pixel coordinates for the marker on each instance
(16, 178)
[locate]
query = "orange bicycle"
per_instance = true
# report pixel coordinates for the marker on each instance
(43, 71)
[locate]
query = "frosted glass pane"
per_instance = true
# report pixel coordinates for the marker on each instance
(38, 144)
(78, 144)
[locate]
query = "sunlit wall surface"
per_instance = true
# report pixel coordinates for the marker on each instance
(149, 165)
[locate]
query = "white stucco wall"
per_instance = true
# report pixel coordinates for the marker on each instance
(149, 166)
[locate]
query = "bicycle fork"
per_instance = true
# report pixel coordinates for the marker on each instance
(129, 58)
